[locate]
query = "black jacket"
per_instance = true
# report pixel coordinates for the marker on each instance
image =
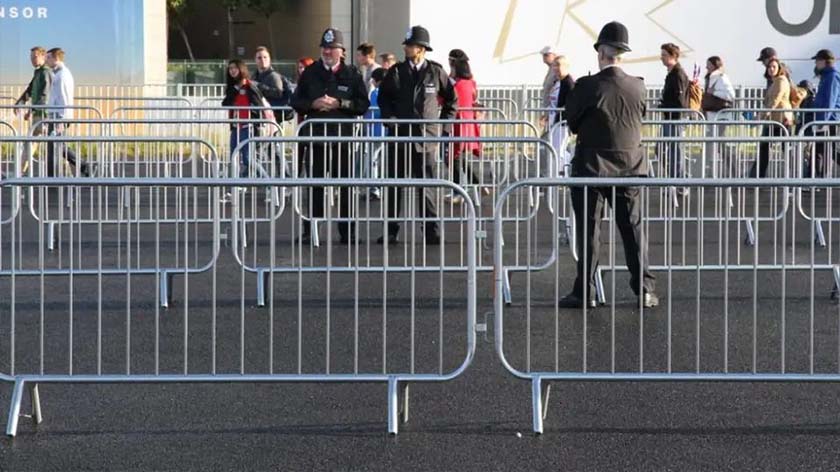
(347, 85)
(276, 89)
(428, 96)
(255, 99)
(566, 86)
(605, 111)
(675, 92)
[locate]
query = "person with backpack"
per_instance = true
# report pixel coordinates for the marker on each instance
(273, 86)
(674, 96)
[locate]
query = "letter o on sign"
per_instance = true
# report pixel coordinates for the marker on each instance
(810, 24)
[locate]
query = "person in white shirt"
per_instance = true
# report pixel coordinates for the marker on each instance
(548, 56)
(718, 95)
(366, 62)
(60, 105)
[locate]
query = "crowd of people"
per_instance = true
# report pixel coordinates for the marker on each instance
(604, 111)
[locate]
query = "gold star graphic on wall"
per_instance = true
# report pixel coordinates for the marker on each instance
(571, 13)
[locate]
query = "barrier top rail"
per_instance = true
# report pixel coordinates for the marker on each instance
(48, 108)
(412, 121)
(817, 124)
(152, 121)
(139, 98)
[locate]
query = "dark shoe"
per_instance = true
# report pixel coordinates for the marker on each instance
(432, 240)
(305, 239)
(573, 301)
(649, 300)
(392, 240)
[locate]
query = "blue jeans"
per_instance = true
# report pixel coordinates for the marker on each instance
(238, 135)
(673, 155)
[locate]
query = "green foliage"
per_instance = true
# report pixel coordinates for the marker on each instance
(268, 8)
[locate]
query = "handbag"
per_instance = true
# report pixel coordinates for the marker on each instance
(714, 103)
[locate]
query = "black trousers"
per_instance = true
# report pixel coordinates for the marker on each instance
(824, 151)
(335, 160)
(628, 218)
(406, 161)
(65, 150)
(764, 151)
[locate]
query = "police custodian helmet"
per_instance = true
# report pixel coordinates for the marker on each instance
(418, 36)
(614, 34)
(332, 38)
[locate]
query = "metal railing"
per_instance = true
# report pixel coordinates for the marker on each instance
(743, 323)
(213, 335)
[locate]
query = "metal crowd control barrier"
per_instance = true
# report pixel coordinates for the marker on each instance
(726, 322)
(101, 328)
(107, 104)
(802, 116)
(519, 94)
(16, 114)
(373, 216)
(673, 216)
(710, 159)
(818, 160)
(75, 216)
(662, 114)
(10, 201)
(508, 107)
(213, 104)
(197, 114)
(723, 209)
(174, 161)
(216, 132)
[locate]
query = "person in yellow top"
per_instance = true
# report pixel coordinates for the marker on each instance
(777, 97)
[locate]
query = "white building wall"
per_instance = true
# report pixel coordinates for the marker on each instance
(503, 37)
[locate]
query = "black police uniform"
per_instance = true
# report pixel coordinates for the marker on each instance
(409, 93)
(605, 111)
(347, 85)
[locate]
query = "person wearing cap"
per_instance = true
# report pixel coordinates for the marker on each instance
(417, 89)
(764, 57)
(828, 98)
(605, 111)
(329, 88)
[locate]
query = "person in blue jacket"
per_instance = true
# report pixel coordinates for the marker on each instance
(828, 98)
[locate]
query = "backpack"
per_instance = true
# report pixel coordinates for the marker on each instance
(281, 105)
(695, 96)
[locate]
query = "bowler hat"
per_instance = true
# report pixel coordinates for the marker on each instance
(332, 38)
(418, 36)
(614, 34)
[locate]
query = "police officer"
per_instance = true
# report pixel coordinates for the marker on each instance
(329, 88)
(605, 111)
(416, 88)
